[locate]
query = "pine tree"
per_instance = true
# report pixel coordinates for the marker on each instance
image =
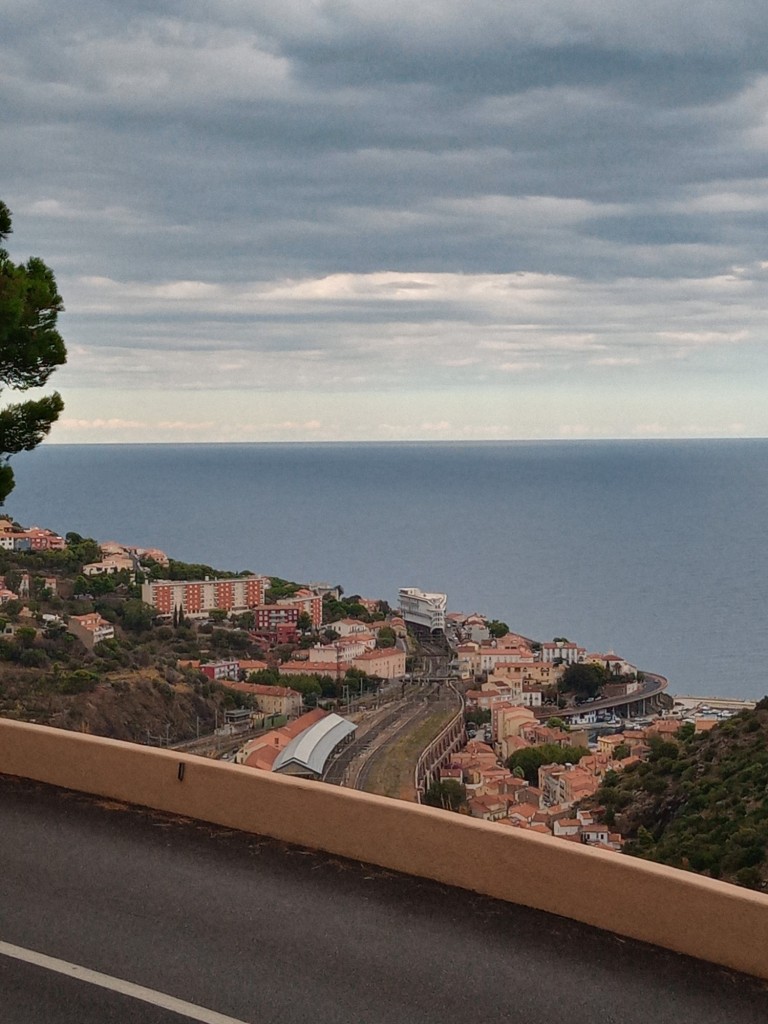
(30, 350)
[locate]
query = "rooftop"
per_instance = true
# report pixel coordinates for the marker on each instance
(310, 750)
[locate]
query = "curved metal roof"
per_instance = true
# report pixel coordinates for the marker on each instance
(311, 748)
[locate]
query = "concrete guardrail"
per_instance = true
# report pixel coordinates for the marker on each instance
(681, 911)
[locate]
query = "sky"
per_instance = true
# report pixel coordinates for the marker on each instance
(348, 220)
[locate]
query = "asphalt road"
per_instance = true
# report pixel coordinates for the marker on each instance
(269, 934)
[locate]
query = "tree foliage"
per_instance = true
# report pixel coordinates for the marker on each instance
(386, 637)
(700, 802)
(30, 350)
(583, 680)
(346, 607)
(450, 794)
(530, 759)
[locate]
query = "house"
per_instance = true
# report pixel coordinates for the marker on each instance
(563, 652)
(468, 660)
(476, 629)
(109, 565)
(221, 669)
(488, 807)
(340, 652)
(566, 784)
(350, 627)
(37, 539)
(387, 663)
(248, 665)
(608, 744)
(275, 622)
(492, 693)
(512, 688)
(150, 555)
(523, 812)
(600, 835)
(90, 629)
(508, 719)
(613, 663)
(306, 666)
(271, 700)
(493, 656)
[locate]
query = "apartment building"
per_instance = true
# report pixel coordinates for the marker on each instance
(196, 598)
(387, 663)
(90, 629)
(306, 601)
(423, 609)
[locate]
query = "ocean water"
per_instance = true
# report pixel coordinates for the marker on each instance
(654, 549)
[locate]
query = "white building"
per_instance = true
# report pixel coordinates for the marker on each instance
(563, 652)
(421, 609)
(342, 652)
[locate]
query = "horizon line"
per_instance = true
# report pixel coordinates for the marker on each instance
(50, 443)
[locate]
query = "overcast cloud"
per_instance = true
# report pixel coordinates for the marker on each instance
(354, 220)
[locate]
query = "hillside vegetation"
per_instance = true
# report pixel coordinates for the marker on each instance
(700, 802)
(127, 688)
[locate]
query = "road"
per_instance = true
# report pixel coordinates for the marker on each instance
(263, 933)
(652, 686)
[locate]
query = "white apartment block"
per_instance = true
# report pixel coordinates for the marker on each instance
(422, 609)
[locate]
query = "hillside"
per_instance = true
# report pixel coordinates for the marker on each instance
(141, 679)
(700, 802)
(129, 687)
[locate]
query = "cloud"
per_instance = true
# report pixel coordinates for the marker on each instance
(358, 196)
(68, 423)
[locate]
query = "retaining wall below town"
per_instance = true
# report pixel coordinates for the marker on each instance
(680, 911)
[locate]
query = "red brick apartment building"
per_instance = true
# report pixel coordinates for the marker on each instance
(198, 597)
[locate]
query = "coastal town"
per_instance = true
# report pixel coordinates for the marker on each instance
(519, 732)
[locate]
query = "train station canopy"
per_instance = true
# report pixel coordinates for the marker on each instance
(308, 753)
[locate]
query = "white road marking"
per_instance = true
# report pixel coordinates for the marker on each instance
(126, 988)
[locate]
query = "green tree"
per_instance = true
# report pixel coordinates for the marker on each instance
(583, 680)
(686, 732)
(477, 716)
(265, 677)
(449, 794)
(304, 622)
(558, 723)
(137, 616)
(80, 586)
(530, 759)
(25, 636)
(386, 637)
(30, 350)
(497, 628)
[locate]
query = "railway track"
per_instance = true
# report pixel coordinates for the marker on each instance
(347, 768)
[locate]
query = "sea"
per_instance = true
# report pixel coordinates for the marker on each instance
(656, 550)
